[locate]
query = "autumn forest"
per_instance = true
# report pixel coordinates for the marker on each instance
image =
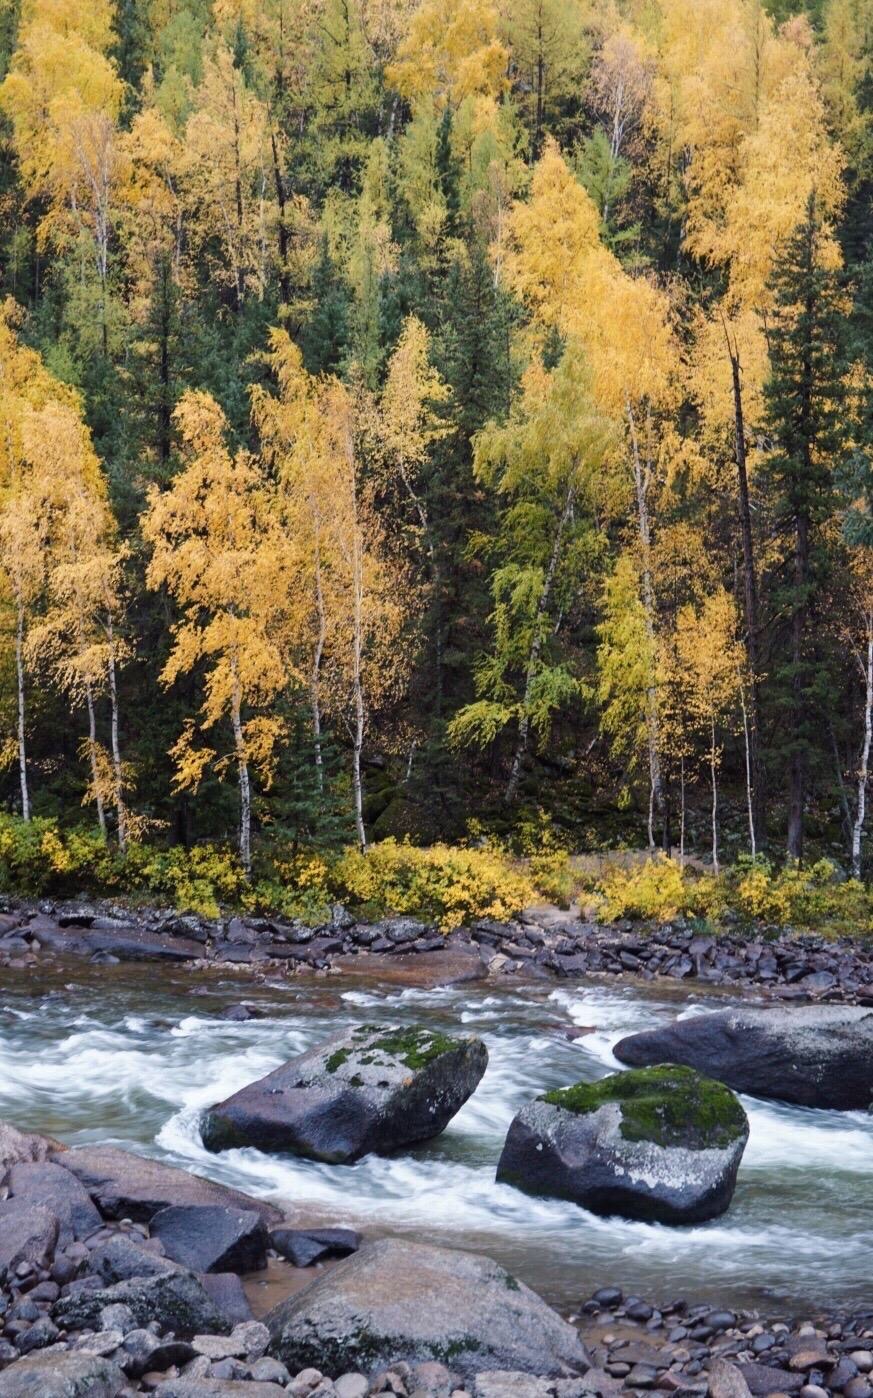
(435, 417)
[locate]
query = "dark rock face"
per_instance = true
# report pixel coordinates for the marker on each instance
(396, 1300)
(127, 943)
(660, 1144)
(211, 1238)
(62, 1376)
(125, 1185)
(59, 1191)
(372, 1089)
(812, 1055)
(176, 1300)
(120, 1258)
(303, 1247)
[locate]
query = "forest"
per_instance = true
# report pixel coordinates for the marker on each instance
(438, 418)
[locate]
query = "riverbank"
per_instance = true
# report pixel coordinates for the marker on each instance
(544, 942)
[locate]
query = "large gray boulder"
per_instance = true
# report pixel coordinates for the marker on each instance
(126, 1185)
(812, 1055)
(371, 1089)
(660, 1144)
(58, 1190)
(177, 1300)
(397, 1300)
(54, 1374)
(28, 1233)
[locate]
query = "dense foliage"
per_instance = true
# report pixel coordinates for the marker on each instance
(422, 414)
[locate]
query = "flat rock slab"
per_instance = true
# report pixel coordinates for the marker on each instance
(58, 1190)
(811, 1055)
(212, 1238)
(424, 970)
(375, 1088)
(127, 943)
(59, 1375)
(397, 1300)
(126, 1185)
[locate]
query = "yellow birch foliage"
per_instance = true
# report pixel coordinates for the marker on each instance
(452, 50)
(216, 548)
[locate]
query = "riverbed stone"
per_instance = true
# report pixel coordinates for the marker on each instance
(212, 1237)
(123, 1257)
(662, 1144)
(763, 1380)
(398, 1300)
(303, 1247)
(372, 1089)
(215, 1388)
(176, 1300)
(42, 1182)
(810, 1055)
(126, 1185)
(62, 1375)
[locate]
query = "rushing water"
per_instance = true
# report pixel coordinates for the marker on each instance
(130, 1056)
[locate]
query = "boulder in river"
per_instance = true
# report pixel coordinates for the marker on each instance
(19, 1146)
(810, 1055)
(374, 1088)
(126, 1185)
(660, 1144)
(398, 1300)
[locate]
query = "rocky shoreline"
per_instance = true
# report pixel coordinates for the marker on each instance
(111, 1285)
(544, 942)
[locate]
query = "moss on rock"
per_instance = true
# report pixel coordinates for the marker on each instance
(669, 1105)
(415, 1047)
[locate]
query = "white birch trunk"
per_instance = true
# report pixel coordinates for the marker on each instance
(22, 750)
(713, 775)
(92, 753)
(245, 790)
(117, 769)
(864, 766)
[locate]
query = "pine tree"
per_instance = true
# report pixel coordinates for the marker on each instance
(803, 397)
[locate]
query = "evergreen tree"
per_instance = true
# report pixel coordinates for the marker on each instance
(803, 398)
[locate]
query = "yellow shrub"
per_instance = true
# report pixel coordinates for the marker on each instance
(449, 884)
(655, 889)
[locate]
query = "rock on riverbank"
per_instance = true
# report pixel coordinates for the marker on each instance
(373, 1089)
(813, 1056)
(660, 1144)
(404, 1301)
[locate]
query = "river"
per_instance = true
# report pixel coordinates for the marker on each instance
(129, 1055)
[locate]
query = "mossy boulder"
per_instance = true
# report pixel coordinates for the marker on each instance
(372, 1089)
(661, 1144)
(400, 1300)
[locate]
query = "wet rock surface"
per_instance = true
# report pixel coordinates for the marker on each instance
(660, 1144)
(813, 1056)
(372, 1089)
(542, 942)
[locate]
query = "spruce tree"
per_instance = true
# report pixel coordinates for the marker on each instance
(803, 398)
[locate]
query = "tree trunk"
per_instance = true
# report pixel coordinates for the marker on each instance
(315, 677)
(797, 765)
(682, 811)
(864, 766)
(755, 779)
(714, 779)
(749, 785)
(642, 481)
(536, 648)
(22, 751)
(358, 690)
(92, 753)
(117, 769)
(245, 790)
